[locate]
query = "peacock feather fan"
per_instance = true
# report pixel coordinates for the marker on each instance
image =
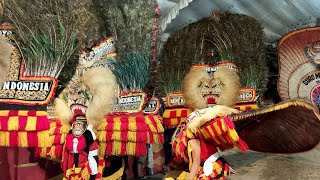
(231, 37)
(133, 73)
(50, 33)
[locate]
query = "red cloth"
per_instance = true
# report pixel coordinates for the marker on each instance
(206, 151)
(81, 143)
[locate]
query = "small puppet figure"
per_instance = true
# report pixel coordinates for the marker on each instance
(81, 150)
(80, 153)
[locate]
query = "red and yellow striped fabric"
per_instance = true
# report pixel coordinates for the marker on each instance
(221, 133)
(129, 134)
(84, 174)
(23, 128)
(219, 172)
(57, 136)
(173, 117)
(176, 112)
(246, 107)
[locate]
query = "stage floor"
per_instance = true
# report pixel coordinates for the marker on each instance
(261, 166)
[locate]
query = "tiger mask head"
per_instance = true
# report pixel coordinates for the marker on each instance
(202, 90)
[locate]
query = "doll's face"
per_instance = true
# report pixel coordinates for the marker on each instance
(78, 128)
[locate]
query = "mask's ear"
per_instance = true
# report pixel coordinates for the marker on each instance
(102, 84)
(62, 111)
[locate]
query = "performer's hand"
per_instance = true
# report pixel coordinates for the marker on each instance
(231, 171)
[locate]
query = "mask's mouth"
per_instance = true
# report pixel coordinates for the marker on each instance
(211, 98)
(78, 109)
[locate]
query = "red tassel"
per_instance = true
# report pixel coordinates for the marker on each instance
(109, 148)
(58, 151)
(32, 113)
(242, 145)
(229, 123)
(13, 135)
(22, 123)
(13, 113)
(42, 123)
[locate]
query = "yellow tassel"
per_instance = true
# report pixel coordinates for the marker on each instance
(102, 126)
(4, 138)
(213, 136)
(65, 129)
(189, 134)
(101, 135)
(23, 113)
(234, 135)
(85, 173)
(178, 112)
(217, 128)
(53, 124)
(117, 126)
(41, 113)
(102, 149)
(13, 123)
(166, 114)
(63, 138)
(116, 148)
(132, 126)
(183, 175)
(22, 139)
(132, 119)
(31, 123)
(116, 136)
(159, 124)
(223, 126)
(170, 178)
(116, 119)
(43, 152)
(174, 121)
(189, 148)
(43, 139)
(148, 121)
(132, 123)
(51, 130)
(4, 113)
(156, 138)
(131, 148)
(217, 167)
(132, 136)
(52, 152)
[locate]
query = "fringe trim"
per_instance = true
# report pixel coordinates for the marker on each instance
(25, 139)
(279, 106)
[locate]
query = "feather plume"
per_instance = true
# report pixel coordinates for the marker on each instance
(62, 111)
(102, 84)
